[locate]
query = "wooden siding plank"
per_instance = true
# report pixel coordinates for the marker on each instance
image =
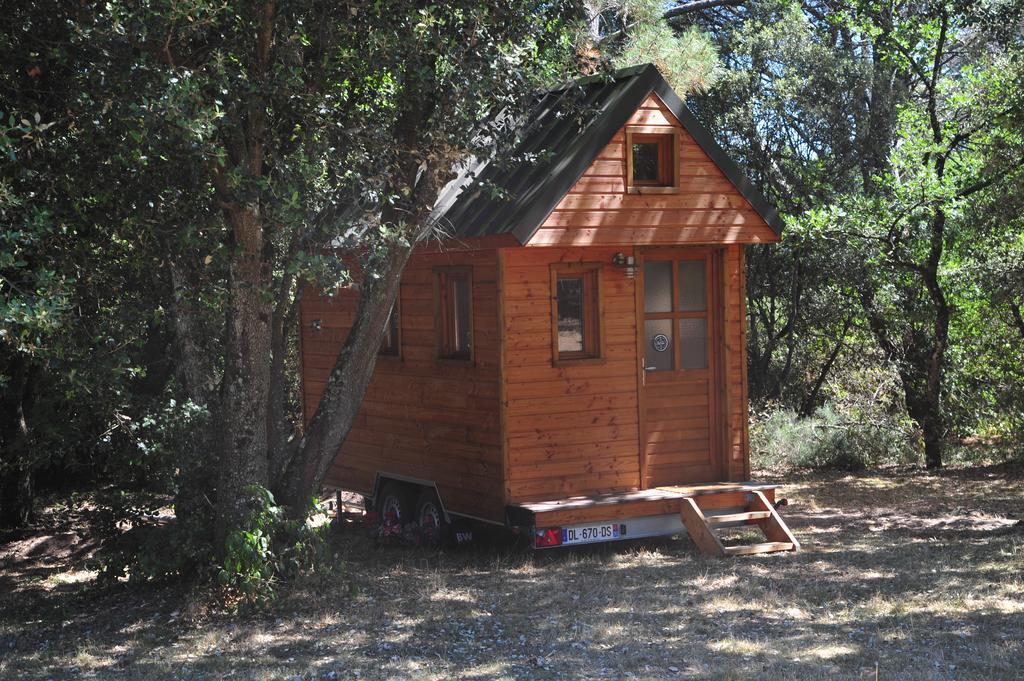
(422, 417)
(674, 235)
(706, 199)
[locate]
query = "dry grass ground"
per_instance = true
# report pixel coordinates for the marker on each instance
(911, 576)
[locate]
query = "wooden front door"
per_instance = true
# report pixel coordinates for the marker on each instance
(677, 326)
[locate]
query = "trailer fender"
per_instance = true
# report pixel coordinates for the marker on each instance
(383, 477)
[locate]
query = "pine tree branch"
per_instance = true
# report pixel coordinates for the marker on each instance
(698, 5)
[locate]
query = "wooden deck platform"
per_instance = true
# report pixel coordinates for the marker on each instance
(704, 510)
(634, 504)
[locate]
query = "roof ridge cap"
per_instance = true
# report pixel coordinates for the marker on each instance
(605, 77)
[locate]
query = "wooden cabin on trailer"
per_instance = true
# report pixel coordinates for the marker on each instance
(572, 359)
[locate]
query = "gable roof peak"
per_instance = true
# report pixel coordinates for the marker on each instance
(564, 133)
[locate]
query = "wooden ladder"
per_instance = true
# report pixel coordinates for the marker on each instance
(759, 512)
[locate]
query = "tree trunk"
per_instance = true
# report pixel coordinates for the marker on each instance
(419, 182)
(925, 407)
(934, 426)
(282, 322)
(196, 377)
(245, 389)
(810, 401)
(346, 385)
(919, 363)
(16, 466)
(1018, 318)
(247, 353)
(16, 496)
(876, 141)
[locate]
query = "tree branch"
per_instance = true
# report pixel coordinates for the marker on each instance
(698, 5)
(1018, 318)
(807, 407)
(983, 184)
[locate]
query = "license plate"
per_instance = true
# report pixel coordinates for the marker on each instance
(585, 534)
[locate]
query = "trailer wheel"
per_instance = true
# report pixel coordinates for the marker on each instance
(434, 528)
(394, 508)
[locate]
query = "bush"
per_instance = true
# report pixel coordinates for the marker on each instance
(837, 436)
(138, 462)
(269, 548)
(154, 549)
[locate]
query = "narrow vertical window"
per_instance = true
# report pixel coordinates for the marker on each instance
(575, 311)
(391, 344)
(454, 313)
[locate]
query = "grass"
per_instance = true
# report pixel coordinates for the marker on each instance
(903, 576)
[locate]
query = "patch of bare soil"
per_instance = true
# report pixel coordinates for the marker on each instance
(904, 575)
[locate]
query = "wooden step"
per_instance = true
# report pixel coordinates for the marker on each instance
(701, 527)
(702, 534)
(724, 518)
(766, 547)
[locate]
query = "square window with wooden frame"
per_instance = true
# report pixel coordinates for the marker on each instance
(391, 343)
(652, 160)
(453, 315)
(576, 312)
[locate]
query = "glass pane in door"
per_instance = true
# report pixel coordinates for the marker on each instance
(659, 348)
(693, 343)
(692, 297)
(658, 286)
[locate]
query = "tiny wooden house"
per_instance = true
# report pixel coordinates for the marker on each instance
(572, 360)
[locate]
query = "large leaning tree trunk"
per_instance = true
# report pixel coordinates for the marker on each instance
(419, 177)
(309, 458)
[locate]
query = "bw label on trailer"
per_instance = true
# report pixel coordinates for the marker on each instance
(584, 534)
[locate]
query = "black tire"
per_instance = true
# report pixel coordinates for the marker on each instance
(394, 507)
(435, 530)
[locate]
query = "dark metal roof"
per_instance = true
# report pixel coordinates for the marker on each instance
(562, 136)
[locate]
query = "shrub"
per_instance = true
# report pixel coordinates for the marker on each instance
(269, 548)
(153, 549)
(838, 436)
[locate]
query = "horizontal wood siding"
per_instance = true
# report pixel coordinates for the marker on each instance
(574, 429)
(707, 210)
(571, 429)
(422, 417)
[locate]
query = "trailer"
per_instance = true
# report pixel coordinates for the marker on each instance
(572, 360)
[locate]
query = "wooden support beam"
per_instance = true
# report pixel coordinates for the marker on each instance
(749, 549)
(700, 532)
(774, 528)
(723, 518)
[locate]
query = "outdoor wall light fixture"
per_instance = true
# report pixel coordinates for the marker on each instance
(626, 262)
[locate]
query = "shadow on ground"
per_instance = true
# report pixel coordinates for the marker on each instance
(911, 576)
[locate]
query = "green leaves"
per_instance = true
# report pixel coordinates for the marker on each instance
(268, 548)
(33, 299)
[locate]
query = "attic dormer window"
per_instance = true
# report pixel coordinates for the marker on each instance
(652, 160)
